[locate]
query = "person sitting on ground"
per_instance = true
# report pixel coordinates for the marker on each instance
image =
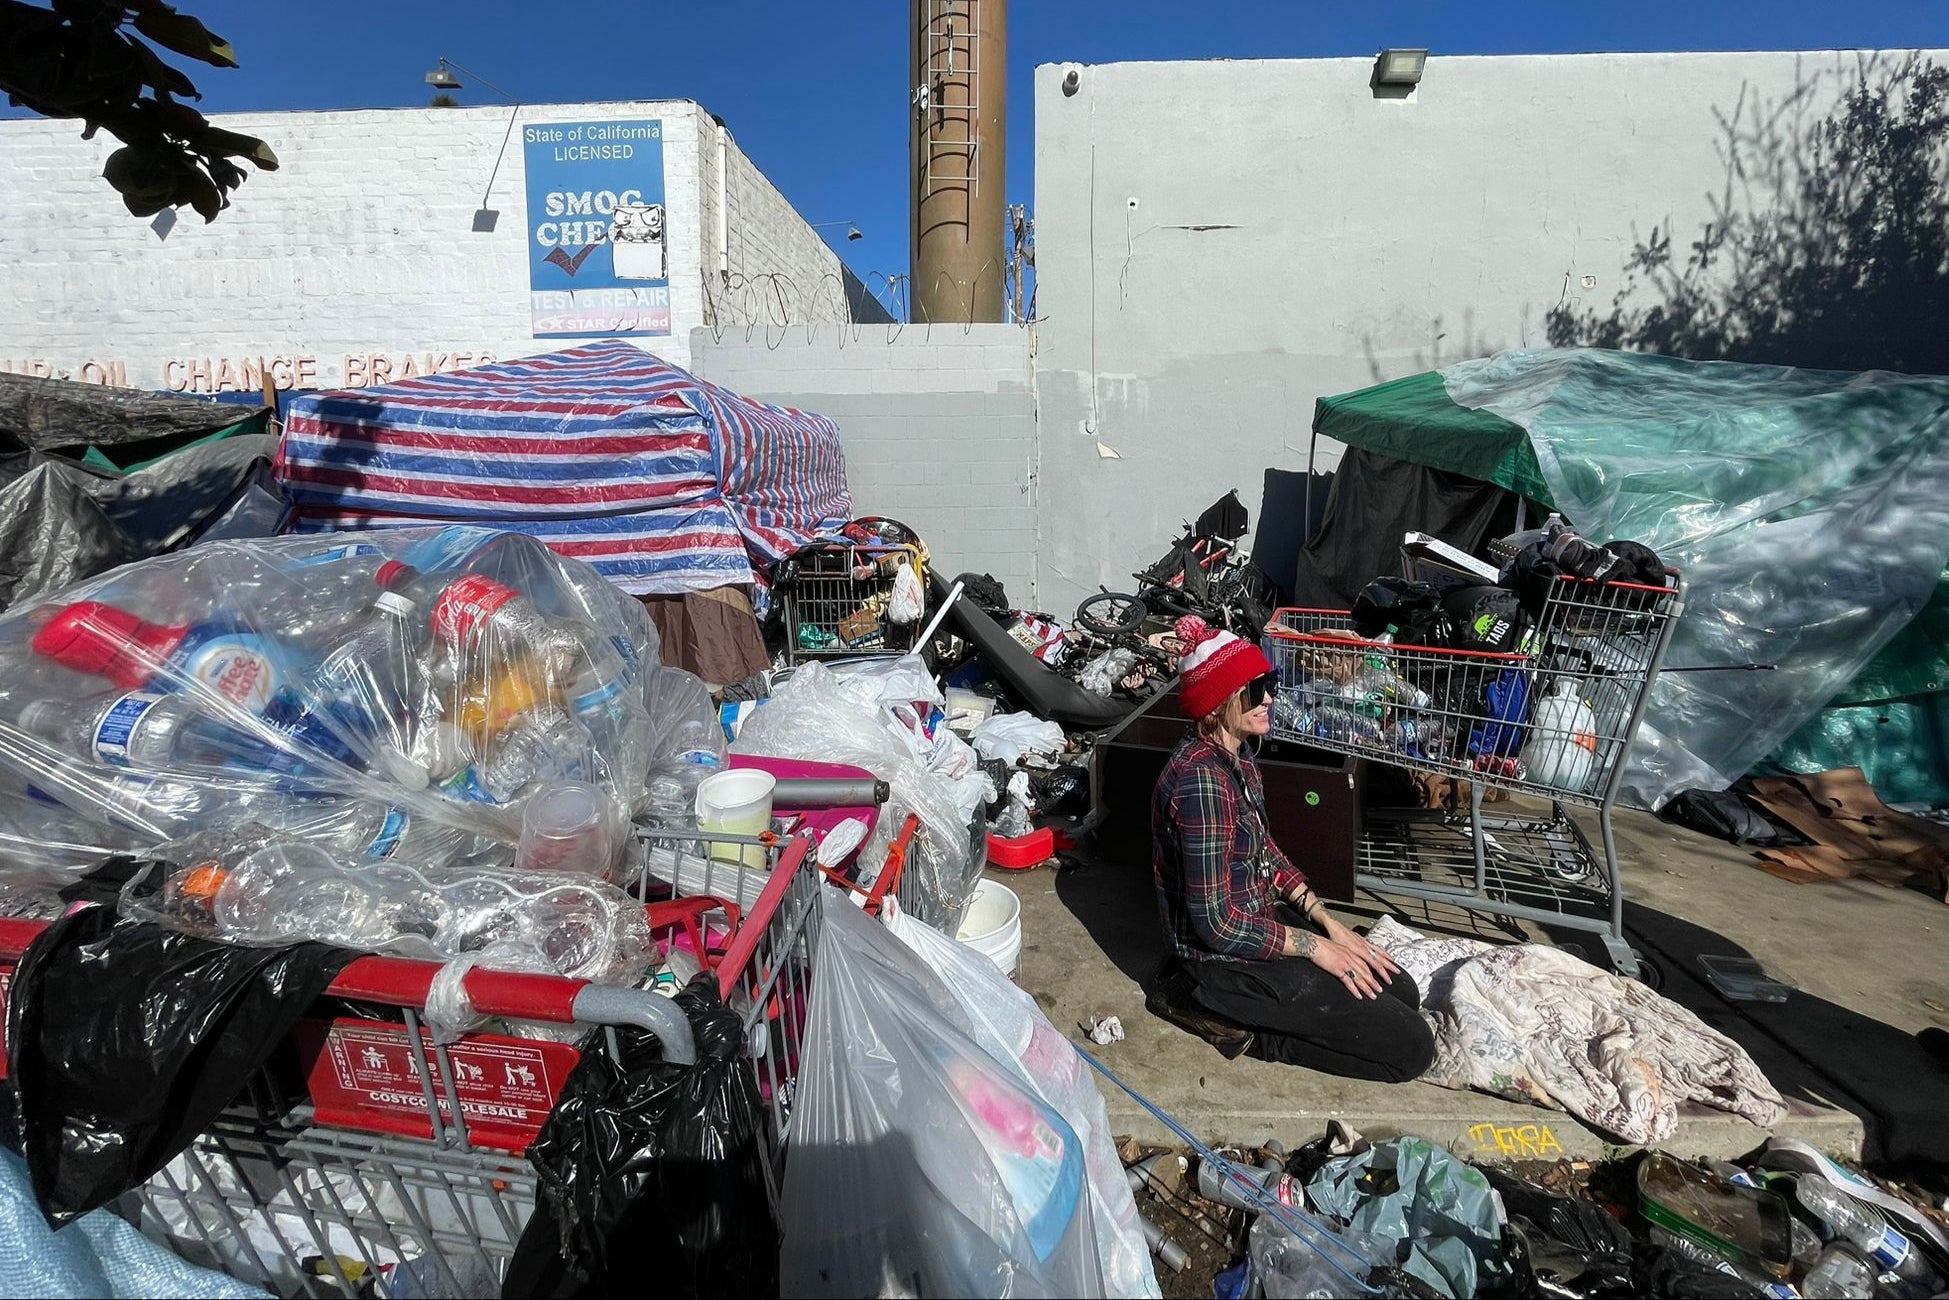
(1248, 974)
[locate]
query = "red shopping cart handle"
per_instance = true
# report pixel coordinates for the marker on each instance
(398, 981)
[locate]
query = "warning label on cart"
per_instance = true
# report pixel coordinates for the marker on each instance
(366, 1076)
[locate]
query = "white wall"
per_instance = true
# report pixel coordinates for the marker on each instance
(360, 245)
(1219, 244)
(938, 424)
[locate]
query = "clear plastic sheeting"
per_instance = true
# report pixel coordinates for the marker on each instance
(1808, 510)
(922, 1163)
(889, 718)
(397, 697)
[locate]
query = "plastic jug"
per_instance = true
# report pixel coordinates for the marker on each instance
(737, 802)
(1562, 748)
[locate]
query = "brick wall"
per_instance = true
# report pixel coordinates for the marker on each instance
(939, 426)
(363, 245)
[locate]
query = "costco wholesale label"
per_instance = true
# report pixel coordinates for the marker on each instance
(363, 1077)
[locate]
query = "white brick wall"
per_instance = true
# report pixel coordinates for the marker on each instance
(361, 245)
(938, 424)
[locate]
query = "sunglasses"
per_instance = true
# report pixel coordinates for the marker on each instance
(1259, 690)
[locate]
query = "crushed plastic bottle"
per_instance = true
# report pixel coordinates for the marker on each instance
(273, 890)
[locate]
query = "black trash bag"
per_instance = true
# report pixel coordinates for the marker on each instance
(1064, 792)
(125, 1040)
(986, 592)
(1571, 1247)
(1726, 815)
(651, 1175)
(1412, 609)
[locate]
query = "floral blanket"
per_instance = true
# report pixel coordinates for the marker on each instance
(1533, 1023)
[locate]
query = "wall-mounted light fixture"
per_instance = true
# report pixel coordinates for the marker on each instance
(1399, 67)
(852, 230)
(442, 78)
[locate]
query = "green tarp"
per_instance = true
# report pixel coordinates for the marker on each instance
(1808, 509)
(1415, 420)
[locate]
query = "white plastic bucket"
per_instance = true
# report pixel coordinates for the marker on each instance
(737, 802)
(991, 924)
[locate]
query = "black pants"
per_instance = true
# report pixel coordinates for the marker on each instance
(1301, 1015)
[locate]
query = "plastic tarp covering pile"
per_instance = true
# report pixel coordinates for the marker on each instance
(1809, 511)
(661, 481)
(63, 520)
(420, 741)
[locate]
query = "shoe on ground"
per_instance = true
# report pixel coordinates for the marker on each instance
(1231, 1041)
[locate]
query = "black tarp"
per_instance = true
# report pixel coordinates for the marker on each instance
(1375, 501)
(63, 519)
(42, 414)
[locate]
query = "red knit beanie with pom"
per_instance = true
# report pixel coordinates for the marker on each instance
(1216, 666)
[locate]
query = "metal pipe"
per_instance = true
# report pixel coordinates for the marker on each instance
(1168, 1252)
(723, 208)
(829, 792)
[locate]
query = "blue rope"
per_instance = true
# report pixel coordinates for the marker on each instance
(1292, 1220)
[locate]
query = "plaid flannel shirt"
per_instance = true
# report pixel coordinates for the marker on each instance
(1218, 871)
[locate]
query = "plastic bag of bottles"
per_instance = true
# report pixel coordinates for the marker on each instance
(397, 695)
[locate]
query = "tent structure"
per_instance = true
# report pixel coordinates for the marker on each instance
(663, 482)
(1808, 509)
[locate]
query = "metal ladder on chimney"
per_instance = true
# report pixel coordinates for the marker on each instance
(950, 127)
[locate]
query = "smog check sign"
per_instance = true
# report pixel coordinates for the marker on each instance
(598, 264)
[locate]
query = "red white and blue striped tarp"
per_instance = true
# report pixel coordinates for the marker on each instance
(661, 481)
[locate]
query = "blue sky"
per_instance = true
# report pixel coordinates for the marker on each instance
(816, 94)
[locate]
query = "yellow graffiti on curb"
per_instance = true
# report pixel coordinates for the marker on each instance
(1533, 1140)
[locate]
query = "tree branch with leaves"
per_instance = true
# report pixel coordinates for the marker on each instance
(80, 59)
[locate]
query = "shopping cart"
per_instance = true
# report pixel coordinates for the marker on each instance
(1554, 719)
(361, 1176)
(836, 598)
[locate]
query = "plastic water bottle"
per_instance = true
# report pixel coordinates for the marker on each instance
(1335, 722)
(474, 606)
(319, 594)
(375, 681)
(1839, 1274)
(372, 832)
(1389, 687)
(237, 665)
(144, 729)
(1418, 738)
(1864, 1228)
(545, 743)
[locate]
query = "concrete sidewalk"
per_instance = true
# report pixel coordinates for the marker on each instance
(1840, 1048)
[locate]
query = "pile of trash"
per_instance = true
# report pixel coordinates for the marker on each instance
(426, 742)
(1344, 1216)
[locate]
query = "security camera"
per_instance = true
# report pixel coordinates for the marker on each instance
(1072, 78)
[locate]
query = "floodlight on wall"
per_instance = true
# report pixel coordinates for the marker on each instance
(852, 229)
(1399, 67)
(442, 78)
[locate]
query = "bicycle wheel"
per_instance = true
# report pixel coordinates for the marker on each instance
(1112, 613)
